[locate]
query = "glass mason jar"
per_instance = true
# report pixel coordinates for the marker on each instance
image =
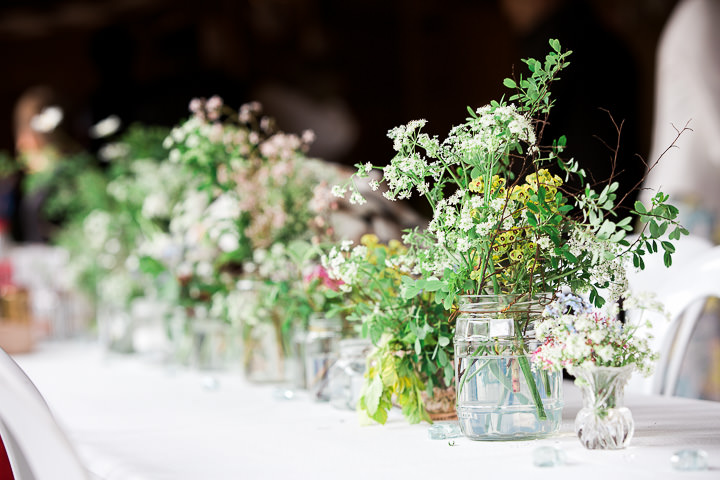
(264, 355)
(296, 362)
(265, 350)
(500, 396)
(116, 328)
(210, 344)
(347, 376)
(321, 352)
(603, 423)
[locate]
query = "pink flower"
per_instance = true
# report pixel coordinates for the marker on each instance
(319, 272)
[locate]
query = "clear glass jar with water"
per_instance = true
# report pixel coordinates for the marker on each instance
(500, 394)
(321, 352)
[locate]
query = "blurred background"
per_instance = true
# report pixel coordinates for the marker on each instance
(349, 70)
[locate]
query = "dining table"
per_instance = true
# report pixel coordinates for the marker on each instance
(143, 417)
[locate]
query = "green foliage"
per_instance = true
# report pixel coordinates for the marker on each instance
(72, 188)
(505, 219)
(412, 333)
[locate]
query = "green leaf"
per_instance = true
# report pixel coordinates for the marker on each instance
(151, 266)
(443, 341)
(625, 223)
(668, 247)
(555, 44)
(657, 230)
(617, 236)
(532, 220)
(442, 357)
(373, 394)
(430, 285)
(509, 83)
(572, 258)
(607, 229)
(639, 207)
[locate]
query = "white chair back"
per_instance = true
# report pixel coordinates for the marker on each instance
(683, 289)
(37, 447)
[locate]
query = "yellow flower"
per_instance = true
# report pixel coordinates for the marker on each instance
(369, 240)
(520, 193)
(396, 247)
(497, 184)
(517, 255)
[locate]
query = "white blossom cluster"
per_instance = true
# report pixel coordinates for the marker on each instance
(574, 333)
(607, 265)
(343, 263)
(494, 131)
(272, 264)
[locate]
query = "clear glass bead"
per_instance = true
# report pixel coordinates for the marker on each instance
(547, 456)
(689, 460)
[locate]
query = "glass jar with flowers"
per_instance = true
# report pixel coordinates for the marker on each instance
(506, 222)
(252, 194)
(601, 351)
(411, 363)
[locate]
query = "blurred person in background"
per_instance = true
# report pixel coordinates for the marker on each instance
(687, 93)
(39, 145)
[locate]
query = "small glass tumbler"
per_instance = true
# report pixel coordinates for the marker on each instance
(347, 375)
(321, 352)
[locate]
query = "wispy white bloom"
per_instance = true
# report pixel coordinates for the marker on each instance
(47, 120)
(106, 127)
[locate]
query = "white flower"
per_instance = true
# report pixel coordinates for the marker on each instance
(577, 347)
(228, 242)
(106, 127)
(192, 141)
(605, 352)
(204, 269)
(308, 136)
(462, 244)
(339, 191)
(111, 151)
(357, 199)
(47, 120)
(156, 205)
(175, 155)
(597, 336)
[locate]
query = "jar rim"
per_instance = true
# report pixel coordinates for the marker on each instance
(502, 302)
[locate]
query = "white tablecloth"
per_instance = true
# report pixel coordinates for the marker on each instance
(134, 418)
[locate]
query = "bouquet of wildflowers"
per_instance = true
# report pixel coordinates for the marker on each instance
(574, 333)
(104, 223)
(505, 220)
(413, 355)
(253, 187)
(505, 217)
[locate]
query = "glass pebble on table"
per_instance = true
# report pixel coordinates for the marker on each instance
(547, 456)
(444, 430)
(281, 393)
(210, 383)
(689, 460)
